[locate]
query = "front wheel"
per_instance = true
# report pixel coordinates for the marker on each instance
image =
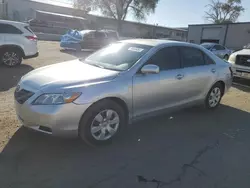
(214, 96)
(102, 122)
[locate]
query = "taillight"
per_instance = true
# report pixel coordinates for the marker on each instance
(231, 71)
(33, 38)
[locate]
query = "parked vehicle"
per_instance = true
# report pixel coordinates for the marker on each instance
(95, 98)
(88, 39)
(17, 42)
(240, 61)
(218, 50)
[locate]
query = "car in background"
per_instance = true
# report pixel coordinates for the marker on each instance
(88, 39)
(240, 61)
(17, 42)
(94, 98)
(218, 50)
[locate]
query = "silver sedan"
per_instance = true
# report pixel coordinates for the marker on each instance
(218, 50)
(95, 98)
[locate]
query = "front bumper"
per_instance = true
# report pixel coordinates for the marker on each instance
(58, 120)
(241, 72)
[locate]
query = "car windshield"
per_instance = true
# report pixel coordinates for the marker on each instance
(118, 56)
(207, 46)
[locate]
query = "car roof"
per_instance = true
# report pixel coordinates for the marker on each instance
(13, 22)
(156, 42)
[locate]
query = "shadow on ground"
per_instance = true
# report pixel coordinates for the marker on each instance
(156, 148)
(9, 77)
(242, 84)
(79, 54)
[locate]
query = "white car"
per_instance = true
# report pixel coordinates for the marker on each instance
(17, 42)
(240, 61)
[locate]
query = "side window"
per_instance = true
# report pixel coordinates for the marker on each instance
(9, 29)
(218, 47)
(222, 47)
(191, 57)
(89, 35)
(167, 58)
(208, 60)
(100, 35)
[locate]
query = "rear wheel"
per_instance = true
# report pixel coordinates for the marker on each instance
(214, 96)
(11, 57)
(102, 122)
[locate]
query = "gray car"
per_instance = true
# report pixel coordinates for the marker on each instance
(218, 50)
(95, 98)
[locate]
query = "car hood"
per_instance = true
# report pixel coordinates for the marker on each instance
(67, 74)
(242, 52)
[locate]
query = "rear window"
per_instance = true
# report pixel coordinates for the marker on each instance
(28, 29)
(9, 29)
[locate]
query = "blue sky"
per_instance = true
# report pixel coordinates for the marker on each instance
(176, 13)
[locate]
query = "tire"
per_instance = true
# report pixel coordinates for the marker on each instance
(214, 96)
(226, 57)
(11, 57)
(95, 124)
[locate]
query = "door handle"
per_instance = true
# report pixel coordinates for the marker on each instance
(179, 76)
(213, 70)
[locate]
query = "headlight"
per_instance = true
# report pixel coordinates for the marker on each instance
(232, 58)
(56, 98)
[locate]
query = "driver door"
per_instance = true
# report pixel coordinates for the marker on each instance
(153, 92)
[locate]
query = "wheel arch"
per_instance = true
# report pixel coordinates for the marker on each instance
(117, 100)
(12, 46)
(222, 83)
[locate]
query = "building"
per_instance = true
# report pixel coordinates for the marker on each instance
(23, 10)
(232, 35)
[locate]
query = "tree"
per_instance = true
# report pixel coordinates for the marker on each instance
(224, 12)
(119, 9)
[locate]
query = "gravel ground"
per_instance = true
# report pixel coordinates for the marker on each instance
(191, 148)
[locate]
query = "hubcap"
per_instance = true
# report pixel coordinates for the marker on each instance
(214, 97)
(105, 125)
(10, 58)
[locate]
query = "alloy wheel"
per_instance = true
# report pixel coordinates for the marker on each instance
(10, 58)
(105, 125)
(214, 97)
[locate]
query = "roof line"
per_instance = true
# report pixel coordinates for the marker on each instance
(219, 24)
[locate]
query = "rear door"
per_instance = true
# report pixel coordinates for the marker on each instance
(2, 36)
(12, 34)
(88, 41)
(100, 39)
(199, 73)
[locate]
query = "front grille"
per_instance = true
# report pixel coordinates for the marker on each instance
(243, 60)
(22, 95)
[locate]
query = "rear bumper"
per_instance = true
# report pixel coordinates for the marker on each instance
(31, 56)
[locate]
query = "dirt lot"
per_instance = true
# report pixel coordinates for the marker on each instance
(191, 148)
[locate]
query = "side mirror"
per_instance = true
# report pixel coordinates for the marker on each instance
(150, 69)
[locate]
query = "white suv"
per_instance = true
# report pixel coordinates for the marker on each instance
(17, 42)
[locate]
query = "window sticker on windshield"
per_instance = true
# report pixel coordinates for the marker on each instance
(134, 49)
